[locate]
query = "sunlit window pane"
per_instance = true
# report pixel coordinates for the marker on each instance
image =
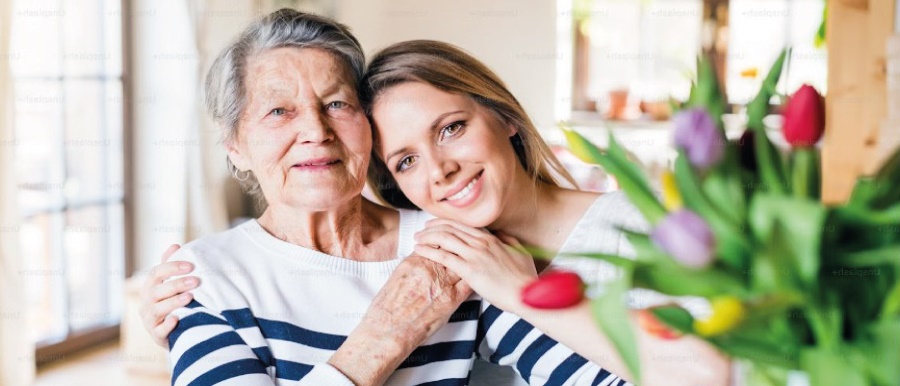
(112, 37)
(615, 46)
(84, 53)
(42, 275)
(86, 145)
(115, 262)
(759, 30)
(35, 45)
(645, 47)
(84, 243)
(38, 151)
(68, 147)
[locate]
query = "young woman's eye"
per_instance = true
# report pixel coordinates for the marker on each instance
(405, 163)
(451, 129)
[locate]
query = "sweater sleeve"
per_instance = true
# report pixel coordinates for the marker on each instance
(507, 340)
(216, 346)
(205, 349)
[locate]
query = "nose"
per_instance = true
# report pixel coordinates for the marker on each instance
(315, 128)
(441, 168)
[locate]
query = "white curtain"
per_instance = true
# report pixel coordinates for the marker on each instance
(206, 175)
(16, 353)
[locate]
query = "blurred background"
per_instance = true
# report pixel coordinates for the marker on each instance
(107, 156)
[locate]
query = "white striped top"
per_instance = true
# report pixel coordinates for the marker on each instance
(269, 312)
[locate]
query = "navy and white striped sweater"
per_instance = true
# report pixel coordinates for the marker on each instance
(268, 312)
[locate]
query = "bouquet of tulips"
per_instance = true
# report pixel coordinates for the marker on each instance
(793, 284)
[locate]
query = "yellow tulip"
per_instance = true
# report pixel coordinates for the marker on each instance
(727, 312)
(671, 196)
(581, 147)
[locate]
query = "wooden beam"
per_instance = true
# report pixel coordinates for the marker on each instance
(881, 28)
(856, 102)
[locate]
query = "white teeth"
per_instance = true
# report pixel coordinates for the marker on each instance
(464, 192)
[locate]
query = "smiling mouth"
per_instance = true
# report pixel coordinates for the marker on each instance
(317, 164)
(465, 191)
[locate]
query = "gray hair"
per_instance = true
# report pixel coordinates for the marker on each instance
(226, 94)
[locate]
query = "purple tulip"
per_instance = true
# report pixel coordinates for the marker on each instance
(698, 136)
(686, 237)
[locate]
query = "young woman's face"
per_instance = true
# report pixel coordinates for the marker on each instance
(451, 156)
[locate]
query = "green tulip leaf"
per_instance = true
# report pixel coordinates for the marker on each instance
(890, 309)
(630, 178)
(802, 219)
(731, 245)
(671, 278)
(769, 162)
(644, 248)
(882, 256)
(675, 317)
(882, 190)
(612, 259)
(759, 106)
(756, 350)
(611, 313)
(829, 368)
(879, 352)
(774, 268)
(706, 92)
(863, 217)
(725, 195)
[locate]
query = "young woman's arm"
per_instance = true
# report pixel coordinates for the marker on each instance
(498, 270)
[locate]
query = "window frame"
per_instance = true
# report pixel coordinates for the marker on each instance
(53, 349)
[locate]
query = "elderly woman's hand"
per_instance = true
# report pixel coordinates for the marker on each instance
(417, 300)
(159, 297)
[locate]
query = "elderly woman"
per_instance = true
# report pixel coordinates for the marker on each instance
(316, 290)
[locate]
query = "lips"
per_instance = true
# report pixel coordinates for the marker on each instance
(317, 163)
(463, 189)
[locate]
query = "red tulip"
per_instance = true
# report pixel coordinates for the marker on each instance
(804, 117)
(554, 289)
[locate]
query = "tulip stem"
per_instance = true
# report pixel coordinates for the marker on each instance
(805, 173)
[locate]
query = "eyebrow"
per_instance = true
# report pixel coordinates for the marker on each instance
(335, 88)
(434, 125)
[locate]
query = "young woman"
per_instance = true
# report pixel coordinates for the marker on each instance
(453, 141)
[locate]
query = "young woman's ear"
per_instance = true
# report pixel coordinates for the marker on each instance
(511, 129)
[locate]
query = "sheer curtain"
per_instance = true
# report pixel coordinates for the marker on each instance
(16, 354)
(206, 175)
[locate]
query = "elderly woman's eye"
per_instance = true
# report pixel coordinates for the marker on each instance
(336, 105)
(405, 163)
(451, 129)
(277, 112)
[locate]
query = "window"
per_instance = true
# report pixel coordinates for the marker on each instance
(69, 104)
(645, 48)
(758, 32)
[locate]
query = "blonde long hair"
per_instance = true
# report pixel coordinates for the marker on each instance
(451, 69)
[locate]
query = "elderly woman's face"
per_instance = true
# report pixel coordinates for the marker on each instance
(303, 133)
